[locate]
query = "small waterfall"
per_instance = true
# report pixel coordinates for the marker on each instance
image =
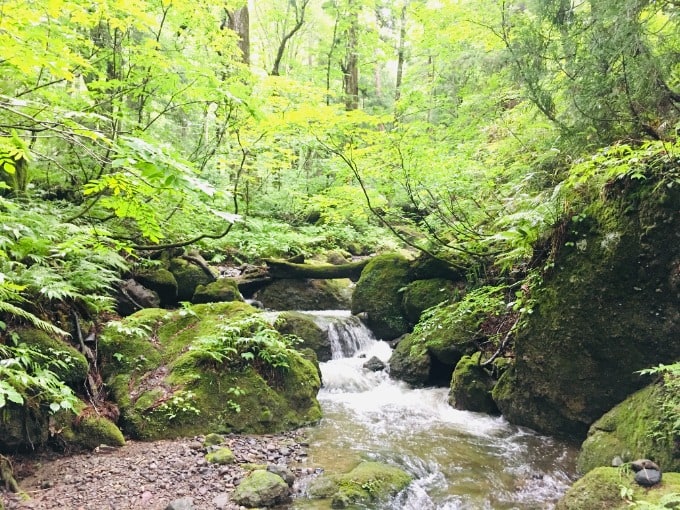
(346, 333)
(459, 460)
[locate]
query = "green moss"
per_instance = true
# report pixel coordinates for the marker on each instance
(304, 327)
(223, 289)
(471, 387)
(606, 311)
(221, 456)
(601, 489)
(410, 362)
(423, 294)
(636, 428)
(213, 440)
(261, 488)
(188, 276)
(93, 430)
(379, 294)
(368, 483)
(306, 294)
(184, 393)
(162, 282)
(72, 367)
(429, 354)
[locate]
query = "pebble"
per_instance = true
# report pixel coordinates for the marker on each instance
(159, 475)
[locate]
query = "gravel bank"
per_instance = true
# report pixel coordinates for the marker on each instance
(148, 475)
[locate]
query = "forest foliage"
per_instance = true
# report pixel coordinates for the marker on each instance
(467, 130)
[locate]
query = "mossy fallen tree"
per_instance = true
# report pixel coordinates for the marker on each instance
(281, 269)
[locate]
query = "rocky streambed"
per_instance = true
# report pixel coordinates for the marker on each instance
(155, 475)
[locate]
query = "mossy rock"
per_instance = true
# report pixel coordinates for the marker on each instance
(188, 277)
(261, 488)
(68, 364)
(87, 429)
(221, 290)
(304, 327)
(423, 294)
(410, 362)
(607, 310)
(221, 456)
(471, 387)
(432, 351)
(166, 388)
(306, 294)
(367, 484)
(640, 427)
(162, 282)
(378, 293)
(22, 428)
(602, 487)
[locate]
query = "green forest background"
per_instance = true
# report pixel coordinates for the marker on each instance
(470, 131)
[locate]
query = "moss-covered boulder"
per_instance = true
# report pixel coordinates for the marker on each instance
(367, 484)
(87, 429)
(161, 281)
(420, 295)
(608, 488)
(212, 367)
(378, 294)
(221, 290)
(610, 307)
(261, 488)
(221, 456)
(428, 356)
(22, 428)
(640, 427)
(68, 364)
(188, 276)
(306, 294)
(304, 327)
(471, 387)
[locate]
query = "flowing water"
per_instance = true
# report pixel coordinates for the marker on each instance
(459, 459)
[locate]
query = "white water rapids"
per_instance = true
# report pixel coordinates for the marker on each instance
(459, 460)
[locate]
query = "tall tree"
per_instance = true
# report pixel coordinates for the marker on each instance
(350, 64)
(238, 20)
(298, 8)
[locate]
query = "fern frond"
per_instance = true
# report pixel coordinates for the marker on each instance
(17, 311)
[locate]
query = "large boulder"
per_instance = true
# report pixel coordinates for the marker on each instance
(188, 276)
(471, 387)
(366, 485)
(608, 488)
(642, 426)
(210, 367)
(610, 307)
(420, 295)
(378, 294)
(428, 356)
(161, 281)
(304, 327)
(221, 290)
(306, 294)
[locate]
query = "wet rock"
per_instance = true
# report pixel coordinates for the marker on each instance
(648, 477)
(162, 282)
(261, 488)
(286, 474)
(133, 296)
(640, 464)
(374, 364)
(471, 387)
(221, 290)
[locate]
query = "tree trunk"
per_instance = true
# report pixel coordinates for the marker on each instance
(299, 21)
(350, 68)
(400, 53)
(239, 22)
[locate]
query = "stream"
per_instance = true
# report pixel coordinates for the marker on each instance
(459, 459)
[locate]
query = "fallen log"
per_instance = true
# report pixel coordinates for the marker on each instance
(284, 270)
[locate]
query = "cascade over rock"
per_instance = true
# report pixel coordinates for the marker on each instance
(610, 307)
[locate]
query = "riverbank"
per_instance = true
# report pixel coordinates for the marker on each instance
(148, 475)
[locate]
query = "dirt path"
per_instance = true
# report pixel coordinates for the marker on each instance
(148, 476)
